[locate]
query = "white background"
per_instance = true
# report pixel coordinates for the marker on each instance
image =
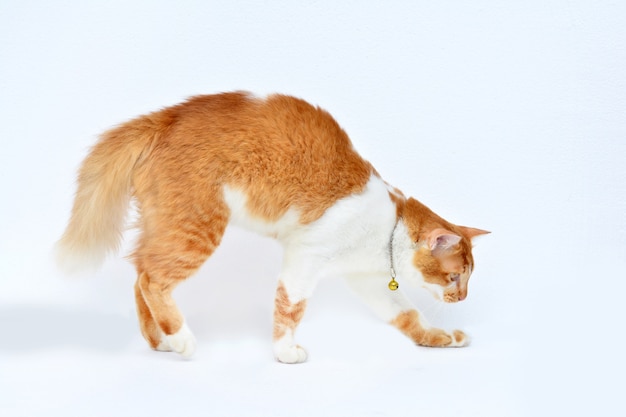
(508, 116)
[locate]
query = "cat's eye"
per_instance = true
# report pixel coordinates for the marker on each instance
(455, 277)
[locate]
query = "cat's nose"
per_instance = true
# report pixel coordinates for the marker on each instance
(462, 290)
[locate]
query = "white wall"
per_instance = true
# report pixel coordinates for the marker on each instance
(507, 116)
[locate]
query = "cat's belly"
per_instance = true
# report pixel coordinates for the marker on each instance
(352, 225)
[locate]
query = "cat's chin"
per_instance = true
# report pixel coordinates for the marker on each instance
(434, 293)
(443, 296)
(454, 296)
(451, 299)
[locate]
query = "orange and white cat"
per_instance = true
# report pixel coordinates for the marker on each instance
(278, 166)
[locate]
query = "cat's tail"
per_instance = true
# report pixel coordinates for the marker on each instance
(103, 195)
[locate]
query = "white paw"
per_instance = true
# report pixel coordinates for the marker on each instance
(290, 354)
(183, 341)
(163, 345)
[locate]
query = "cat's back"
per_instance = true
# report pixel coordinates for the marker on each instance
(280, 151)
(243, 119)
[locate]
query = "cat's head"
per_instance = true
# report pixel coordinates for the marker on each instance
(442, 252)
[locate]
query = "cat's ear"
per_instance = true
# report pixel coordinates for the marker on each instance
(470, 232)
(442, 239)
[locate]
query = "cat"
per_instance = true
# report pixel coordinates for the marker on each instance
(278, 166)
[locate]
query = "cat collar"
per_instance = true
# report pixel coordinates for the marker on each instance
(393, 284)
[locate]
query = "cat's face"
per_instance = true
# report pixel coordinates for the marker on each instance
(446, 270)
(442, 252)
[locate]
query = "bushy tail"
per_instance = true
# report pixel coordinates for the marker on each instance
(103, 195)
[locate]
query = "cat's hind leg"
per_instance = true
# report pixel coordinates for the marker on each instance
(149, 327)
(174, 332)
(169, 251)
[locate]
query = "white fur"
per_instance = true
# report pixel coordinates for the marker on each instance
(239, 215)
(73, 258)
(351, 237)
(465, 342)
(350, 240)
(163, 346)
(183, 341)
(286, 351)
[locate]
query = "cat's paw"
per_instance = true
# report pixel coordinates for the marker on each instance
(459, 339)
(440, 338)
(290, 353)
(163, 345)
(183, 341)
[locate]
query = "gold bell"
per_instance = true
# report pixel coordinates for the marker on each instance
(393, 284)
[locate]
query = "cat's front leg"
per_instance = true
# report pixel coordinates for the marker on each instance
(395, 308)
(410, 323)
(303, 265)
(287, 316)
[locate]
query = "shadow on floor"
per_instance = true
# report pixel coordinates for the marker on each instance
(24, 329)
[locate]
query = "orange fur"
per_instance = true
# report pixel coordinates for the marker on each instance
(398, 198)
(148, 326)
(287, 315)
(280, 152)
(409, 324)
(437, 265)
